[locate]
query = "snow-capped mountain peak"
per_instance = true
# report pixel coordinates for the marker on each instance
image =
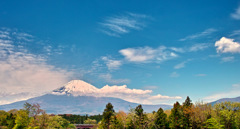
(76, 87)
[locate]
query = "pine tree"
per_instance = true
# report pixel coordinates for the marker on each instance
(176, 116)
(140, 116)
(187, 112)
(160, 119)
(107, 115)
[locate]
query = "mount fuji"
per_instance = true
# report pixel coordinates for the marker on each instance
(79, 97)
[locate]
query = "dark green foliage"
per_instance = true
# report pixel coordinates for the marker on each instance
(187, 111)
(160, 119)
(176, 117)
(11, 120)
(107, 115)
(140, 117)
(188, 102)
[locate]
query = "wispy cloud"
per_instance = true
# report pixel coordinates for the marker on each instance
(228, 59)
(147, 54)
(150, 55)
(182, 64)
(112, 64)
(226, 45)
(23, 36)
(194, 48)
(199, 47)
(198, 35)
(25, 74)
(122, 24)
(236, 14)
(235, 33)
(109, 79)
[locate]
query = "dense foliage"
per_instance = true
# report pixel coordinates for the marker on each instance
(32, 117)
(186, 116)
(80, 119)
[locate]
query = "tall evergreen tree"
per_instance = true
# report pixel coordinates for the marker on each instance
(107, 115)
(160, 119)
(140, 116)
(187, 112)
(176, 116)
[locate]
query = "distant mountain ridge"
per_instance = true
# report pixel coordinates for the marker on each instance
(79, 97)
(236, 99)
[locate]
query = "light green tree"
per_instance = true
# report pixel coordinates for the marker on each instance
(22, 120)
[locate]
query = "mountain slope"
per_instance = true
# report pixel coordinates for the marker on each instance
(64, 104)
(237, 99)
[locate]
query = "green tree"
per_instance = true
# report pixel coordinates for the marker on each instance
(140, 117)
(212, 123)
(3, 118)
(187, 112)
(22, 120)
(176, 116)
(108, 113)
(160, 119)
(116, 124)
(90, 121)
(57, 122)
(11, 120)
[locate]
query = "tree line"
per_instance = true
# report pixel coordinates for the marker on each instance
(187, 115)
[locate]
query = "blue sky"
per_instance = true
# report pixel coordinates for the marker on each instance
(173, 48)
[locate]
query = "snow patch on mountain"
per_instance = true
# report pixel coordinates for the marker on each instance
(76, 88)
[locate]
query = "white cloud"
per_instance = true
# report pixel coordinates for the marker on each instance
(147, 54)
(226, 45)
(122, 24)
(193, 48)
(4, 35)
(25, 75)
(108, 78)
(23, 36)
(228, 59)
(198, 47)
(112, 64)
(181, 50)
(174, 74)
(235, 33)
(198, 35)
(236, 14)
(182, 64)
(134, 95)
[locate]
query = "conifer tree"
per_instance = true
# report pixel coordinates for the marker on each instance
(107, 115)
(140, 116)
(160, 119)
(187, 112)
(176, 116)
